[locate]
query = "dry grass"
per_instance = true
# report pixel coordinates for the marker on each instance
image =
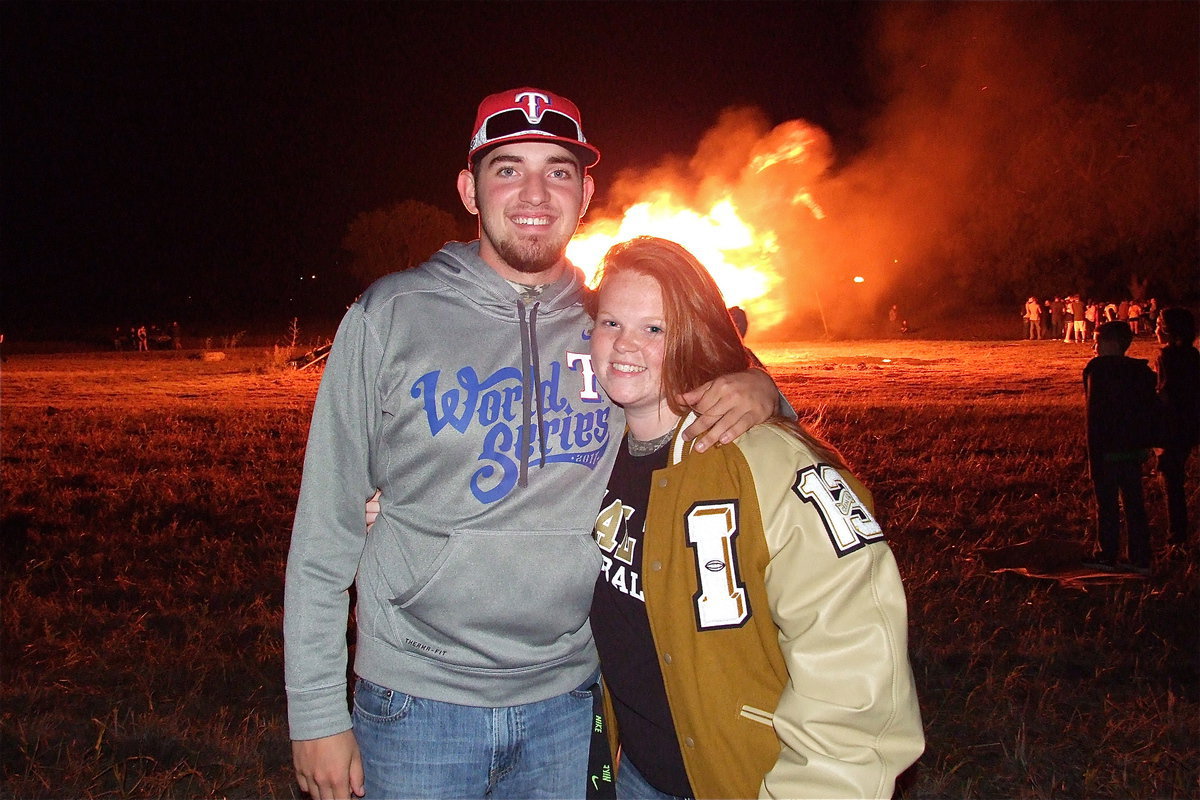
(147, 501)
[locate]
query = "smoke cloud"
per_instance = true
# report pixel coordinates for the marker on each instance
(955, 198)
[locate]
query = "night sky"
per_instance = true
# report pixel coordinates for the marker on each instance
(194, 159)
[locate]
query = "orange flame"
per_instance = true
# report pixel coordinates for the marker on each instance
(739, 258)
(743, 256)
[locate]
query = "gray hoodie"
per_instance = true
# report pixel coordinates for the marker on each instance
(474, 584)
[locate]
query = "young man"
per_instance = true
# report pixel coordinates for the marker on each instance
(1121, 419)
(1033, 318)
(463, 391)
(1078, 324)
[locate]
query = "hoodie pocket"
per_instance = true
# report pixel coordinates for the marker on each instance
(503, 599)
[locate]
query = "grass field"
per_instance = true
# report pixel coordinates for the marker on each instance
(147, 502)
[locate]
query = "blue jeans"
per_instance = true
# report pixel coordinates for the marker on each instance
(418, 748)
(632, 786)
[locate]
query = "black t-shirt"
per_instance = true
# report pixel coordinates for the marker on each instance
(622, 629)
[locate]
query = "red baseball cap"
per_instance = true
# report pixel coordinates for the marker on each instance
(525, 115)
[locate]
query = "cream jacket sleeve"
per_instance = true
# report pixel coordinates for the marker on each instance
(848, 719)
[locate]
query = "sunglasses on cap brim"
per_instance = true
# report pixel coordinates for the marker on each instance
(514, 121)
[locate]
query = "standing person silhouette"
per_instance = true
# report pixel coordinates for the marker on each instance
(1121, 411)
(1178, 368)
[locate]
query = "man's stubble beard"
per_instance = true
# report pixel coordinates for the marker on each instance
(527, 255)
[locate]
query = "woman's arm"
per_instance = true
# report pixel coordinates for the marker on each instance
(848, 720)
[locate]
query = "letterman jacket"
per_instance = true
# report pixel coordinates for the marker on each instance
(780, 623)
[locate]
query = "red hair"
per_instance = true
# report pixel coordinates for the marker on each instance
(702, 342)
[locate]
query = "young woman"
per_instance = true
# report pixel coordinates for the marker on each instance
(750, 618)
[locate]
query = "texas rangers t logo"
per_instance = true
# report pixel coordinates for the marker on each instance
(536, 102)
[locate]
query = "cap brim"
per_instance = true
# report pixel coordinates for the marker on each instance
(588, 155)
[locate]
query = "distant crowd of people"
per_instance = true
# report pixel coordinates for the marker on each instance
(141, 337)
(1073, 319)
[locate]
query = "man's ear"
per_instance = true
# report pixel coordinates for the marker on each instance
(589, 188)
(466, 190)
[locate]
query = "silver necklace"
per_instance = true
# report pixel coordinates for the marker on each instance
(638, 448)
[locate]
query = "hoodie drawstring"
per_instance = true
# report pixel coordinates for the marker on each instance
(531, 382)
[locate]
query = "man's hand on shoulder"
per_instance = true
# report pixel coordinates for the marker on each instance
(730, 405)
(329, 768)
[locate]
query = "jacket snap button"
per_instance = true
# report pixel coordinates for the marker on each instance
(667, 657)
(662, 483)
(688, 741)
(656, 566)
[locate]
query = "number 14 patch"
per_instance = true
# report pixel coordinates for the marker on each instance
(849, 525)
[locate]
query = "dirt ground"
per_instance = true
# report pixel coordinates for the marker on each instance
(884, 371)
